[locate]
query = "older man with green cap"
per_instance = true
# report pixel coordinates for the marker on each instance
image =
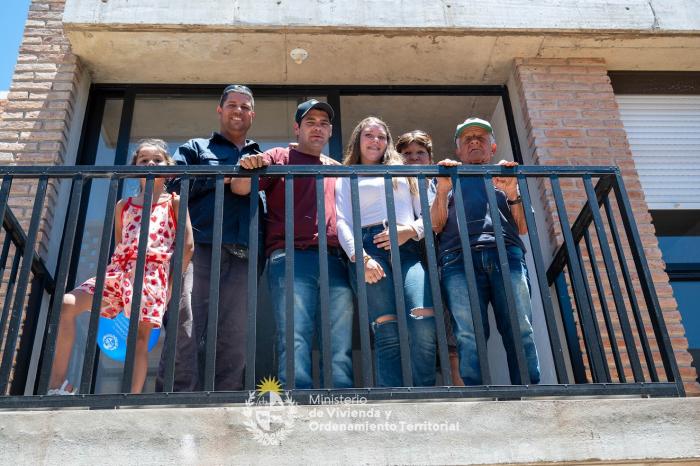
(476, 145)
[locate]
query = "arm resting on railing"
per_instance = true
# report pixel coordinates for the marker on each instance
(241, 186)
(438, 209)
(509, 185)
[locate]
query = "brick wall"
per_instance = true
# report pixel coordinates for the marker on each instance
(35, 122)
(572, 118)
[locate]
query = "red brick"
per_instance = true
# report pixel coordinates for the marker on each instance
(588, 142)
(563, 133)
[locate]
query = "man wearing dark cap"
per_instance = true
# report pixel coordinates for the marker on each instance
(225, 147)
(476, 145)
(313, 130)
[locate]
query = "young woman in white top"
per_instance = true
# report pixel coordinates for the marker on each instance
(371, 143)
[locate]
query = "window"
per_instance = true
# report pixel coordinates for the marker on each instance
(678, 232)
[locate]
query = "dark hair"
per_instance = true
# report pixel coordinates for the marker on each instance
(158, 144)
(416, 136)
(238, 88)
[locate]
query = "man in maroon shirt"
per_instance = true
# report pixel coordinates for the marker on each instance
(313, 130)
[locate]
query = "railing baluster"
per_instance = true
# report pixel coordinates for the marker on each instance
(27, 259)
(567, 317)
(604, 307)
(433, 275)
(477, 321)
(577, 282)
(541, 272)
(4, 193)
(134, 319)
(9, 293)
(660, 331)
(61, 275)
(614, 284)
(253, 265)
(398, 284)
(631, 295)
(90, 360)
(513, 317)
(362, 304)
(176, 275)
(324, 292)
(595, 328)
(7, 242)
(214, 285)
(290, 351)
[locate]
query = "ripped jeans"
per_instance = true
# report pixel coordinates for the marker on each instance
(381, 302)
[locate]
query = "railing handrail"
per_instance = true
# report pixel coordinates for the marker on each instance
(124, 171)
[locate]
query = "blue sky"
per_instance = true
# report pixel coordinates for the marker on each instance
(13, 14)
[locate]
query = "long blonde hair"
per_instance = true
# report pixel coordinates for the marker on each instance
(390, 157)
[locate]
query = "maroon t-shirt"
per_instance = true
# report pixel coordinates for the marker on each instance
(305, 215)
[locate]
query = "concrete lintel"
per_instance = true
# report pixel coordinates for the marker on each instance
(482, 432)
(498, 15)
(369, 58)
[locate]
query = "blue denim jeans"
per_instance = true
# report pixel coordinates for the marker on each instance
(490, 285)
(382, 302)
(307, 314)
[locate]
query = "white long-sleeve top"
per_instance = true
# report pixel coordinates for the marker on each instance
(373, 208)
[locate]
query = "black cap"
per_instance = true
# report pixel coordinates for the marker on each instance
(304, 108)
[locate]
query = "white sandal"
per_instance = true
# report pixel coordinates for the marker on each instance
(62, 390)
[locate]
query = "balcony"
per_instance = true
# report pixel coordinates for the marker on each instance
(601, 330)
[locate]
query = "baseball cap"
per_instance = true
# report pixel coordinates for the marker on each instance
(305, 107)
(478, 122)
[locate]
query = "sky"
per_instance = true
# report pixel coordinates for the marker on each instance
(13, 14)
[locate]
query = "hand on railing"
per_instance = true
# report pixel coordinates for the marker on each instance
(253, 161)
(444, 183)
(507, 184)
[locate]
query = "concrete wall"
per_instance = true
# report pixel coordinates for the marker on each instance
(372, 42)
(570, 15)
(639, 431)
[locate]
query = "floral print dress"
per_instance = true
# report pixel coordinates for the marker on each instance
(119, 286)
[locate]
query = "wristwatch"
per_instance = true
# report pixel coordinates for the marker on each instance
(517, 200)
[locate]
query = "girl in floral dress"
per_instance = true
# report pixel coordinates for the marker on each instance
(118, 289)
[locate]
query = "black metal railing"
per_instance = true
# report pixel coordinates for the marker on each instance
(572, 329)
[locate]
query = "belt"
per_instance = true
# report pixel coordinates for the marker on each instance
(236, 250)
(332, 250)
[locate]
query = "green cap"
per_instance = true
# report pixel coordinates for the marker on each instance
(478, 122)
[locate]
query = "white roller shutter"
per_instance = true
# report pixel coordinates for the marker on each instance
(664, 135)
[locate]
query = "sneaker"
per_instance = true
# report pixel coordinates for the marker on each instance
(62, 390)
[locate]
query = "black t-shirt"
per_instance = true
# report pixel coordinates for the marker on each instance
(478, 215)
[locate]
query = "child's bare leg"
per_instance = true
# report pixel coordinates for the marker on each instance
(141, 357)
(74, 303)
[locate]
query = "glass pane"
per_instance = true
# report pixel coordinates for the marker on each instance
(178, 119)
(680, 249)
(437, 115)
(687, 293)
(94, 220)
